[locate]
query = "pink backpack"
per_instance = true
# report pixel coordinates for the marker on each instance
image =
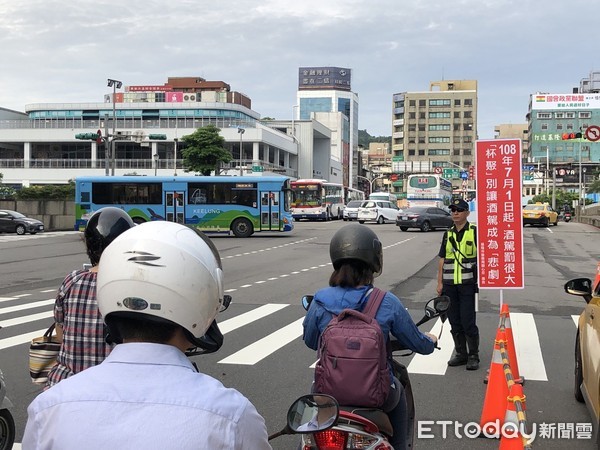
(352, 365)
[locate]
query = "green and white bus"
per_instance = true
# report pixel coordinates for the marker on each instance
(217, 204)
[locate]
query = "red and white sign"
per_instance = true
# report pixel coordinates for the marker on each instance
(154, 88)
(499, 214)
(437, 170)
(592, 133)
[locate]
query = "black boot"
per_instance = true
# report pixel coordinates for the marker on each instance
(473, 359)
(460, 350)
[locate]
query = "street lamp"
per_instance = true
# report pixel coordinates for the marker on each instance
(241, 132)
(370, 181)
(115, 84)
(156, 157)
(175, 156)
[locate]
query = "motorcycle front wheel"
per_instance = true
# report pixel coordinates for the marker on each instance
(7, 430)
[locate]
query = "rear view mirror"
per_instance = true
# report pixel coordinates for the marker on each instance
(441, 304)
(579, 286)
(312, 413)
(306, 300)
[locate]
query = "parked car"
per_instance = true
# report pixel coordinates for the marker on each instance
(379, 211)
(539, 214)
(15, 222)
(424, 217)
(351, 210)
(587, 344)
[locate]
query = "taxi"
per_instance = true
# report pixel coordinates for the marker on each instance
(587, 345)
(539, 214)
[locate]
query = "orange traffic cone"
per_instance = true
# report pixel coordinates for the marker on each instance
(514, 422)
(510, 344)
(494, 404)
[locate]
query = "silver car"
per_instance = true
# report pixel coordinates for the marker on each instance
(351, 210)
(379, 211)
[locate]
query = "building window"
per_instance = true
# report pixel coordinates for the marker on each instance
(559, 126)
(421, 139)
(569, 115)
(468, 115)
(421, 152)
(411, 152)
(421, 127)
(412, 127)
(437, 140)
(542, 115)
(439, 102)
(439, 127)
(585, 114)
(421, 115)
(468, 102)
(456, 152)
(439, 152)
(439, 115)
(457, 102)
(412, 103)
(422, 103)
(467, 151)
(457, 139)
(569, 126)
(456, 115)
(544, 126)
(559, 115)
(412, 115)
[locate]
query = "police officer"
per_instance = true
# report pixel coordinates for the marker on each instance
(457, 278)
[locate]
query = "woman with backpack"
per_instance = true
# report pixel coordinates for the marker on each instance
(357, 257)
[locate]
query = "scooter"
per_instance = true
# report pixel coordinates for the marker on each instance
(567, 217)
(370, 428)
(7, 422)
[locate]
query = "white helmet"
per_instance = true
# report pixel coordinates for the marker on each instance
(166, 272)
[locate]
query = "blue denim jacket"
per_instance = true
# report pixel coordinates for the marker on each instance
(392, 317)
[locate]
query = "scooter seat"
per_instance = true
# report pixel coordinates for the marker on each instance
(377, 416)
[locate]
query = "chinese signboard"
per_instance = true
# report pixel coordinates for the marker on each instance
(499, 221)
(163, 88)
(451, 173)
(310, 78)
(564, 101)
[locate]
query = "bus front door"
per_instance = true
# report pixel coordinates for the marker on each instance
(269, 211)
(175, 206)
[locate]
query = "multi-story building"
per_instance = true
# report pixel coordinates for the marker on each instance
(329, 90)
(557, 125)
(436, 130)
(40, 145)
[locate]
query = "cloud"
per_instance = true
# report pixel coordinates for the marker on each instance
(56, 51)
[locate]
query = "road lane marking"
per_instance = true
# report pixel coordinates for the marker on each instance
(527, 347)
(262, 348)
(244, 319)
(21, 339)
(437, 362)
(25, 319)
(31, 305)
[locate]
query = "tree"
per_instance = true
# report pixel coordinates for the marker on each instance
(6, 192)
(204, 150)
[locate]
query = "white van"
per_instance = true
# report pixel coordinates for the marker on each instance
(387, 196)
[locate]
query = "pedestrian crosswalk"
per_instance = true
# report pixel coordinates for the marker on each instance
(12, 237)
(22, 320)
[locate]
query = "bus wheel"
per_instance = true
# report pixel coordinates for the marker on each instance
(242, 228)
(138, 220)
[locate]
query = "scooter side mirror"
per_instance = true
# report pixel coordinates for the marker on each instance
(441, 304)
(306, 300)
(311, 413)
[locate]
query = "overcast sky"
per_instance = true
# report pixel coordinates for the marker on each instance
(63, 51)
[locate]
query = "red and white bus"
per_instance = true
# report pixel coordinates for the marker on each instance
(316, 199)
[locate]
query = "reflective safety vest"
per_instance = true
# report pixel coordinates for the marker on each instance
(460, 262)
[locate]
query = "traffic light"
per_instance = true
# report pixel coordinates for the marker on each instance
(87, 136)
(569, 136)
(157, 137)
(472, 173)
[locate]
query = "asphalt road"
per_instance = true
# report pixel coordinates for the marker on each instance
(265, 358)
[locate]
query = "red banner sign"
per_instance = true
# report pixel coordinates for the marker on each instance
(499, 214)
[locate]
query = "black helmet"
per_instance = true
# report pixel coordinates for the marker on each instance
(356, 242)
(102, 228)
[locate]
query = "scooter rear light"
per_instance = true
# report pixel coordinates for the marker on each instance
(331, 440)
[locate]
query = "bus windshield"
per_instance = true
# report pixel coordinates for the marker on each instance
(306, 195)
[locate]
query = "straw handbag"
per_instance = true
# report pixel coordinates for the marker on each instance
(42, 356)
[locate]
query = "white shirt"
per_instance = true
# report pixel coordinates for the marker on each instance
(143, 396)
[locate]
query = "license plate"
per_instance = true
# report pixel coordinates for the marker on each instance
(404, 217)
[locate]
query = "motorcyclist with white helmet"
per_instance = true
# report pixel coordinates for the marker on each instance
(160, 287)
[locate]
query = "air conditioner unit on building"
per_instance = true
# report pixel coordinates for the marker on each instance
(189, 97)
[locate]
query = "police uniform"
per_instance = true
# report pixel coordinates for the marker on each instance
(459, 282)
